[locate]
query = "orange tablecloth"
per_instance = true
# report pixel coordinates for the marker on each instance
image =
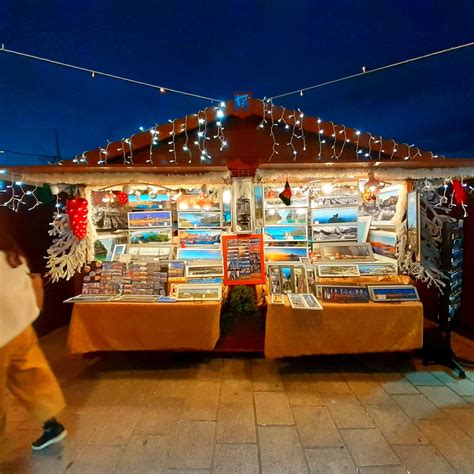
(343, 329)
(144, 326)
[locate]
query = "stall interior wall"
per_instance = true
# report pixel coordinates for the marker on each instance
(30, 230)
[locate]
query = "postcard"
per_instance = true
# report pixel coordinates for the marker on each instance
(378, 269)
(300, 284)
(204, 270)
(337, 232)
(89, 298)
(383, 243)
(274, 278)
(363, 226)
(346, 251)
(176, 269)
(119, 250)
(199, 254)
(387, 293)
(342, 293)
(311, 302)
(287, 279)
(286, 216)
(144, 219)
(143, 200)
(285, 254)
(286, 233)
(334, 215)
(340, 270)
(204, 238)
(277, 299)
(327, 193)
(198, 292)
(187, 220)
(296, 301)
(150, 236)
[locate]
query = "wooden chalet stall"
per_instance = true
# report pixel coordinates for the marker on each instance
(233, 179)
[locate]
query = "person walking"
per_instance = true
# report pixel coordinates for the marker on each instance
(24, 369)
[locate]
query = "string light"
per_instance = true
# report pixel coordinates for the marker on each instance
(290, 143)
(153, 141)
(272, 133)
(172, 142)
(186, 140)
(19, 196)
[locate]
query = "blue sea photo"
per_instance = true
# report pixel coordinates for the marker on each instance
(334, 215)
(285, 232)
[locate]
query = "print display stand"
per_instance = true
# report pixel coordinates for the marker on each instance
(452, 260)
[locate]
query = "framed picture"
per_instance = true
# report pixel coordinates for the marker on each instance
(363, 226)
(296, 301)
(198, 292)
(389, 206)
(287, 280)
(342, 293)
(119, 249)
(243, 205)
(150, 236)
(311, 279)
(413, 223)
(204, 271)
(140, 251)
(189, 220)
(300, 284)
(277, 298)
(176, 269)
(135, 298)
(196, 201)
(299, 196)
(143, 200)
(334, 215)
(337, 271)
(243, 259)
(145, 219)
(337, 232)
(311, 302)
(274, 278)
(340, 252)
(285, 254)
(387, 293)
(105, 243)
(258, 198)
(289, 216)
(378, 269)
(328, 193)
(286, 233)
(198, 254)
(304, 301)
(383, 243)
(86, 298)
(204, 238)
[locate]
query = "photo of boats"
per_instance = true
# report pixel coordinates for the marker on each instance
(137, 220)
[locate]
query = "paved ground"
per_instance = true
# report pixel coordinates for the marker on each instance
(187, 413)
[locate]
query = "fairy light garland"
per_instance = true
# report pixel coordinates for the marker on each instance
(19, 196)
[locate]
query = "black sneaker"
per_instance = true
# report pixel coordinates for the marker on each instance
(53, 433)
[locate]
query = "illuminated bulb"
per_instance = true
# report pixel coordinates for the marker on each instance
(323, 141)
(359, 152)
(366, 155)
(395, 150)
(287, 126)
(18, 183)
(327, 188)
(200, 134)
(185, 148)
(224, 143)
(201, 120)
(319, 120)
(357, 132)
(372, 189)
(271, 212)
(321, 131)
(297, 122)
(162, 90)
(106, 199)
(226, 196)
(222, 104)
(300, 212)
(220, 113)
(141, 129)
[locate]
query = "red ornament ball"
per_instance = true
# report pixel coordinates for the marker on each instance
(76, 209)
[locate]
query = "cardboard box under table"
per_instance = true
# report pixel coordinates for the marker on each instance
(343, 328)
(144, 326)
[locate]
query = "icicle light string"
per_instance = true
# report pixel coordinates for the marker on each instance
(95, 73)
(172, 142)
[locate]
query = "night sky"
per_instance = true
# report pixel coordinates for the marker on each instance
(217, 48)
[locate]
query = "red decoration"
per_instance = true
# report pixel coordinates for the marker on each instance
(76, 209)
(121, 197)
(459, 192)
(285, 195)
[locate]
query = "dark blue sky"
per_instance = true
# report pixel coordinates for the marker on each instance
(216, 48)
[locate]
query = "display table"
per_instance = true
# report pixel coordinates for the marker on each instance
(343, 329)
(144, 326)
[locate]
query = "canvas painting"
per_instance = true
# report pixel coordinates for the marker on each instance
(334, 215)
(389, 206)
(329, 232)
(285, 233)
(200, 238)
(346, 251)
(285, 254)
(188, 220)
(285, 216)
(383, 243)
(296, 301)
(150, 236)
(138, 220)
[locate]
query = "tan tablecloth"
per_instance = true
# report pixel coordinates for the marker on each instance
(144, 326)
(343, 329)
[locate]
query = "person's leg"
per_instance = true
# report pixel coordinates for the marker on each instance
(32, 381)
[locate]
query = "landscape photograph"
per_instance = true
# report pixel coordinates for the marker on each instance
(144, 201)
(285, 254)
(329, 232)
(198, 219)
(383, 210)
(338, 270)
(285, 216)
(199, 254)
(383, 243)
(338, 194)
(155, 236)
(145, 219)
(334, 215)
(349, 251)
(285, 233)
(373, 269)
(200, 238)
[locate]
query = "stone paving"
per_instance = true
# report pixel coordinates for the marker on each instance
(151, 413)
